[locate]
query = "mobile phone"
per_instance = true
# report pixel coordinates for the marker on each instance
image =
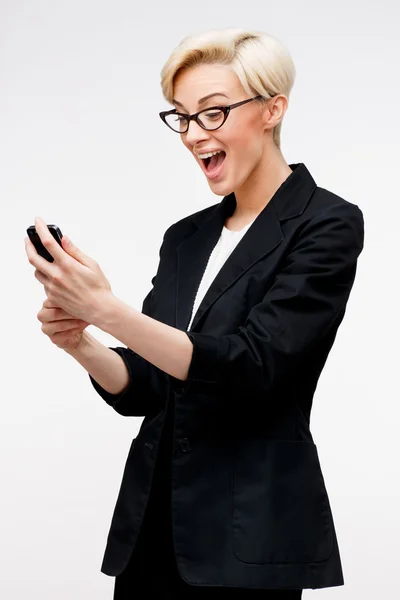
(36, 241)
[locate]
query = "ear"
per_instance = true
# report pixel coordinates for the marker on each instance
(275, 111)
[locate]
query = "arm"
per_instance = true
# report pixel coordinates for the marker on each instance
(305, 302)
(126, 381)
(104, 366)
(167, 348)
(308, 295)
(107, 369)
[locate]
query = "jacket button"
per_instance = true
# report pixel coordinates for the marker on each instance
(185, 445)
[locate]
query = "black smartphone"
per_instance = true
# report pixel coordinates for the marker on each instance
(35, 239)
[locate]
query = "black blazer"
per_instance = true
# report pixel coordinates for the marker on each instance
(249, 503)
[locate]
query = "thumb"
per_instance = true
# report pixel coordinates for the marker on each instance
(75, 252)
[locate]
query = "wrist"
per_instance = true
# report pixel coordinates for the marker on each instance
(83, 344)
(106, 305)
(108, 313)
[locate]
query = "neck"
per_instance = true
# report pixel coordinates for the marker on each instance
(261, 185)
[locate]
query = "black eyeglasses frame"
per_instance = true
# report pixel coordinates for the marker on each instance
(195, 117)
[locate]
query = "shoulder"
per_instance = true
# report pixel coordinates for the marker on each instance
(332, 216)
(325, 201)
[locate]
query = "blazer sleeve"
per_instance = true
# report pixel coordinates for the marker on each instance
(145, 392)
(307, 298)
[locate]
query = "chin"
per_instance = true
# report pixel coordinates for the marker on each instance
(221, 188)
(219, 191)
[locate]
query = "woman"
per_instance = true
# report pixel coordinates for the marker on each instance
(222, 489)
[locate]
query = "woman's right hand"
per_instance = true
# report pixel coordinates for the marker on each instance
(64, 330)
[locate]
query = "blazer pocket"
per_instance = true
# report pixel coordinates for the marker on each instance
(281, 511)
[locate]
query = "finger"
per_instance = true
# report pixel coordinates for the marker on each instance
(78, 255)
(49, 304)
(46, 315)
(64, 340)
(63, 325)
(40, 277)
(48, 241)
(36, 260)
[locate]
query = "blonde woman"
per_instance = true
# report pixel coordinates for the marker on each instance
(223, 494)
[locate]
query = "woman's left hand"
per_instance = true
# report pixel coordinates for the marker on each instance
(74, 281)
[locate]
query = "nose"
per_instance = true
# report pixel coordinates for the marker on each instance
(196, 134)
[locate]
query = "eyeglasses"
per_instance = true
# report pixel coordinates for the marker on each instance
(210, 119)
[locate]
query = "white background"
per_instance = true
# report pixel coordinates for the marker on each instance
(82, 146)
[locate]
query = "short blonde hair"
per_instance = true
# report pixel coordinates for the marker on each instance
(262, 64)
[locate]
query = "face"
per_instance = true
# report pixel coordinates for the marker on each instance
(245, 136)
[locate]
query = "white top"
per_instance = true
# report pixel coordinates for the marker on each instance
(223, 248)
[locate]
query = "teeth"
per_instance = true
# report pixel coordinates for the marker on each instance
(208, 154)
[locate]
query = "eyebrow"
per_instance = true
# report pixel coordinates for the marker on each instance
(202, 99)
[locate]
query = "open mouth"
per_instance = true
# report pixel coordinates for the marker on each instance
(213, 164)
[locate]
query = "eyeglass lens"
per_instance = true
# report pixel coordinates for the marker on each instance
(210, 119)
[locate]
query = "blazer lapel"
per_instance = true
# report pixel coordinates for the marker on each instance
(264, 234)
